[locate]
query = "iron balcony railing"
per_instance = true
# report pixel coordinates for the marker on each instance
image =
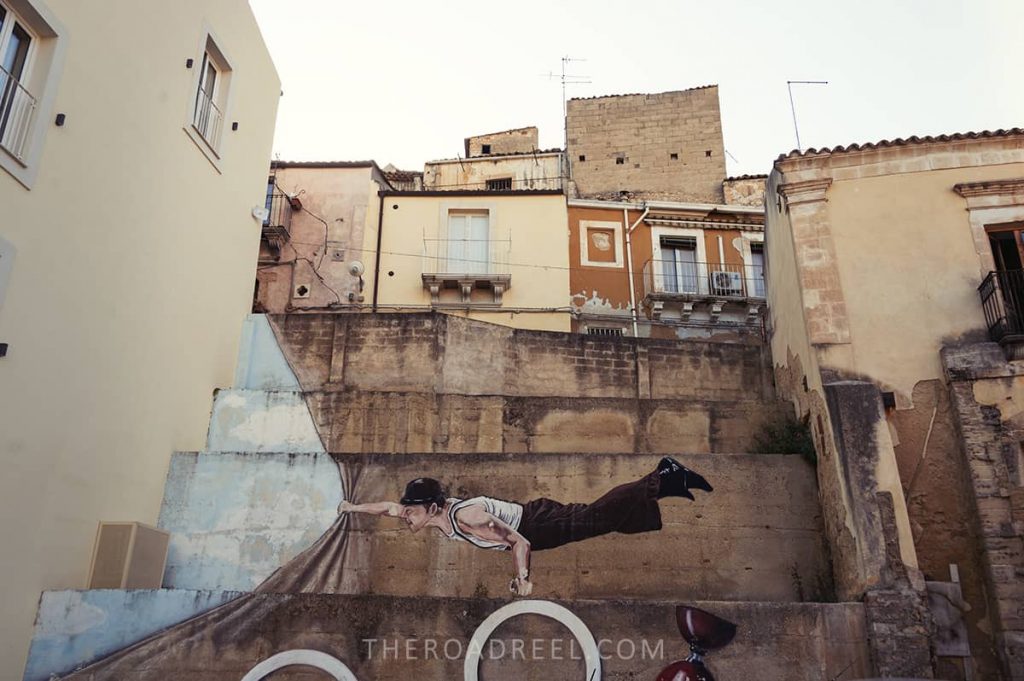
(457, 257)
(277, 224)
(1002, 299)
(207, 118)
(668, 278)
(17, 109)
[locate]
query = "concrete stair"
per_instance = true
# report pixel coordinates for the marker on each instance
(757, 537)
(386, 638)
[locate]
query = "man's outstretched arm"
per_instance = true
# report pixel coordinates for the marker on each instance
(483, 525)
(375, 508)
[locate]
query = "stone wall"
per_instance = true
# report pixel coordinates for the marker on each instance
(515, 141)
(666, 145)
(987, 394)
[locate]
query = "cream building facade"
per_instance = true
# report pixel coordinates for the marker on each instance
(499, 257)
(132, 169)
(894, 274)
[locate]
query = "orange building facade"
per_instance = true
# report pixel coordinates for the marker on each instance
(666, 270)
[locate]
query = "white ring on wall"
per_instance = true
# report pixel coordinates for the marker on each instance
(591, 654)
(308, 658)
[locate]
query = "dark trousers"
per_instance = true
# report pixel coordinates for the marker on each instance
(628, 508)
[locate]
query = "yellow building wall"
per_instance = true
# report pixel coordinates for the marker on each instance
(133, 274)
(902, 309)
(538, 256)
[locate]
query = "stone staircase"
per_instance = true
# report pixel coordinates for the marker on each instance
(327, 407)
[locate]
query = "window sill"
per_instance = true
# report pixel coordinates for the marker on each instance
(211, 155)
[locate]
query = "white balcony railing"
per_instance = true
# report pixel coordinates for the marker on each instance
(668, 278)
(466, 257)
(207, 118)
(17, 109)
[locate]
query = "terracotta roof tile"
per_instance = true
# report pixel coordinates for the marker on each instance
(902, 142)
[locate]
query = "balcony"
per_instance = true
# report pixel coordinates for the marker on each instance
(17, 109)
(1002, 300)
(207, 118)
(466, 265)
(711, 285)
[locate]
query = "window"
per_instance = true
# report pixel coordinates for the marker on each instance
(468, 238)
(757, 270)
(612, 331)
(583, 157)
(485, 148)
(209, 105)
(500, 184)
(620, 160)
(679, 264)
(207, 117)
(17, 105)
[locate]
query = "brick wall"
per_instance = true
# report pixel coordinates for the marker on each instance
(666, 145)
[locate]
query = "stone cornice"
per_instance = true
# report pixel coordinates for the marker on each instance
(808, 191)
(990, 188)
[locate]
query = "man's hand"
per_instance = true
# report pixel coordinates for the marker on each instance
(521, 586)
(346, 507)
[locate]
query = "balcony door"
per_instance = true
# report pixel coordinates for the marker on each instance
(679, 267)
(15, 102)
(468, 243)
(1007, 244)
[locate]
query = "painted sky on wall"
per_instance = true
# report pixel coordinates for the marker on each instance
(405, 82)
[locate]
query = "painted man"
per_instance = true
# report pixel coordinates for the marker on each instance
(538, 525)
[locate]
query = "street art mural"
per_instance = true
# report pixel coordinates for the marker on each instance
(541, 524)
(288, 556)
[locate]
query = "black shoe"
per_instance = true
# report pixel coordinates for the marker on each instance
(677, 480)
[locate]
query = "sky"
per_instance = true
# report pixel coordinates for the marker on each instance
(405, 82)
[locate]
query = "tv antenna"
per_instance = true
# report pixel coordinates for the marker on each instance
(792, 106)
(568, 78)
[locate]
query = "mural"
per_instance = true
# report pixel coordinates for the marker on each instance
(541, 524)
(287, 558)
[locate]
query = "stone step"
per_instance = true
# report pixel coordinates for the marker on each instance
(236, 517)
(353, 421)
(387, 638)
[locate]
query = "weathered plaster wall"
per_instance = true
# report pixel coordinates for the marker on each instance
(74, 628)
(748, 190)
(527, 170)
(261, 421)
(235, 518)
(135, 258)
(527, 240)
(644, 131)
(775, 642)
(317, 256)
(261, 364)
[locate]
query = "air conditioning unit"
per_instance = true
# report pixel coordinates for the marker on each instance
(128, 556)
(726, 284)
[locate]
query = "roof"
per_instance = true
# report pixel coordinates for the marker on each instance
(402, 175)
(746, 177)
(324, 164)
(534, 152)
(502, 132)
(902, 142)
(646, 94)
(473, 192)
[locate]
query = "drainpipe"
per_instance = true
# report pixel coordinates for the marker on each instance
(380, 238)
(629, 261)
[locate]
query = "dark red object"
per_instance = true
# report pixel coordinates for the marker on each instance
(685, 671)
(702, 630)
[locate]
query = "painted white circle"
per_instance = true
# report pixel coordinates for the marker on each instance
(309, 658)
(591, 655)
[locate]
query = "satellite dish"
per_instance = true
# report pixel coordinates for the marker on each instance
(356, 269)
(260, 213)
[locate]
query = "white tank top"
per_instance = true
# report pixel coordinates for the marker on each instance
(508, 512)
